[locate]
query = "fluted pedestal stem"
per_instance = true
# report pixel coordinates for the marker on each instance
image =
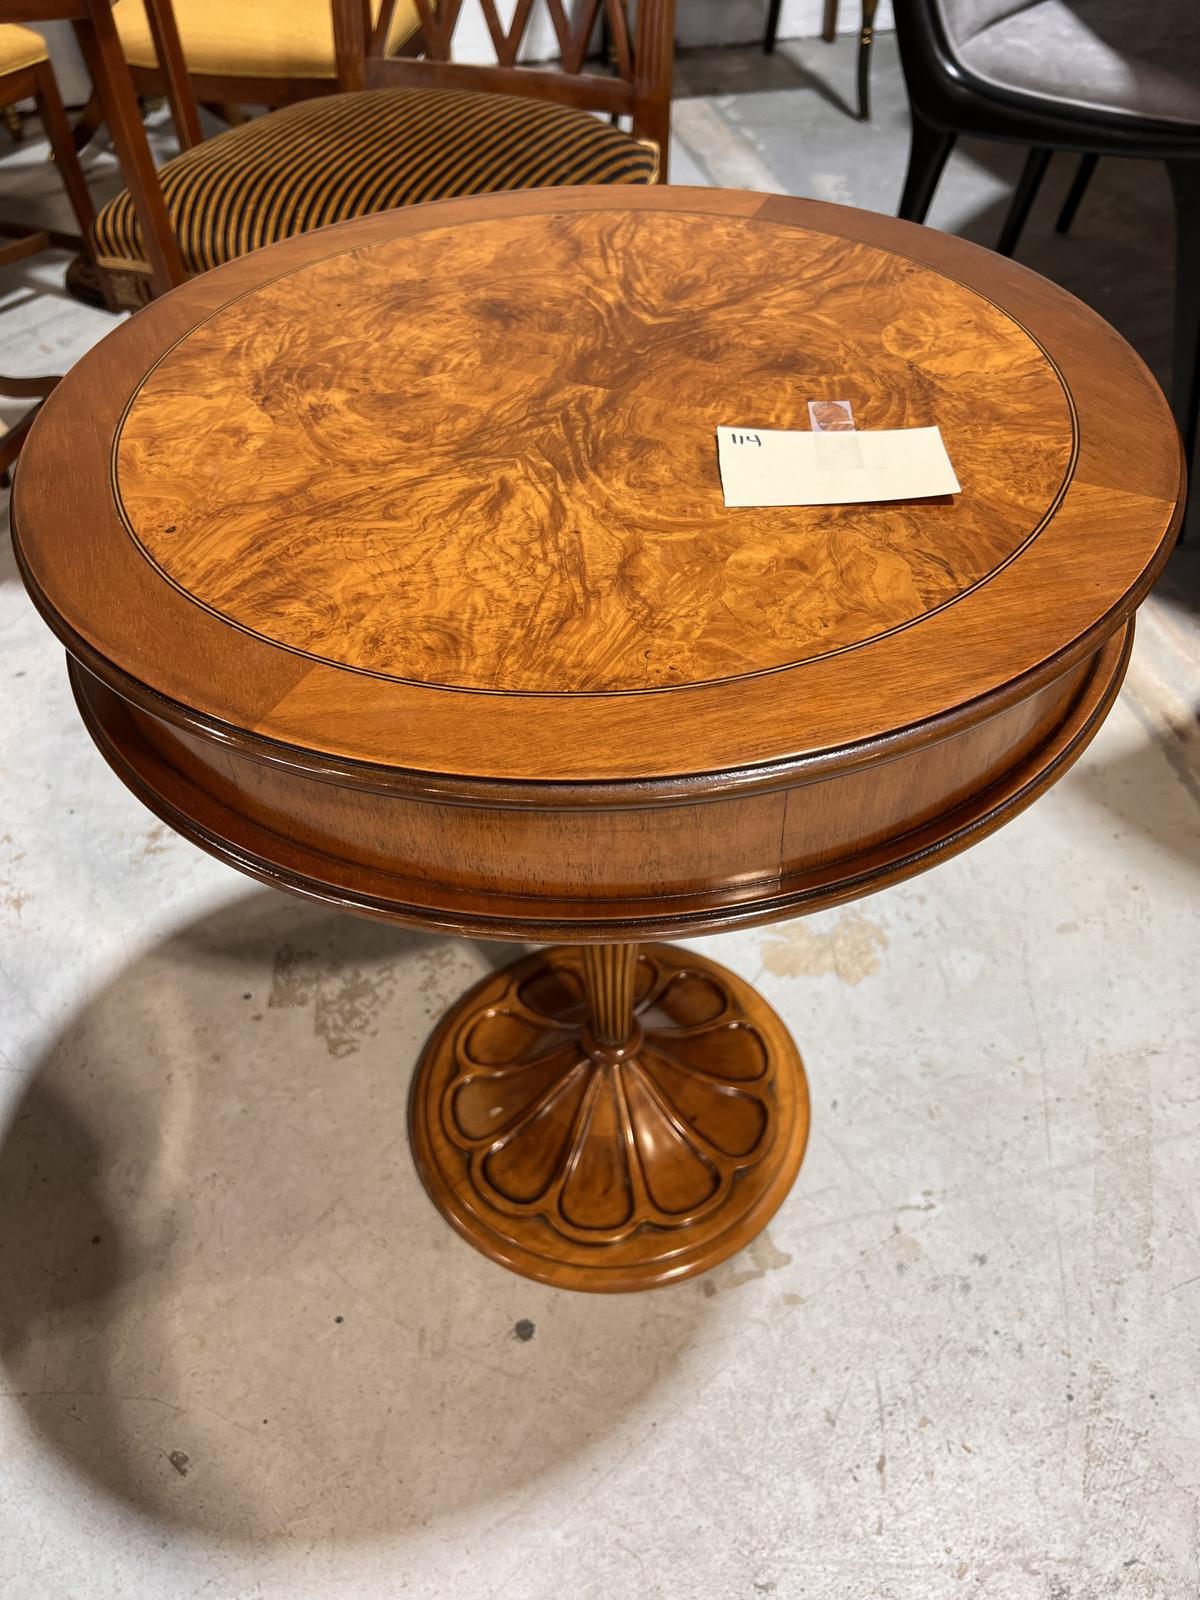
(608, 971)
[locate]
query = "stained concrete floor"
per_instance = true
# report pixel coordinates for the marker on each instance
(240, 1356)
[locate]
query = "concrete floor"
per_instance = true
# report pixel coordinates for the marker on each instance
(240, 1356)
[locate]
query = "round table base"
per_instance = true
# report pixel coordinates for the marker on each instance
(609, 1167)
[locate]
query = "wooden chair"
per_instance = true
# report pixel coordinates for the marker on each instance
(403, 130)
(26, 73)
(255, 52)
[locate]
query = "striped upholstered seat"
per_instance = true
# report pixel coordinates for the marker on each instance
(347, 155)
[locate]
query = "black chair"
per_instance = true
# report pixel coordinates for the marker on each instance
(1100, 77)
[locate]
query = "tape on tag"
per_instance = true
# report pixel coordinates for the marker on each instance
(831, 416)
(838, 449)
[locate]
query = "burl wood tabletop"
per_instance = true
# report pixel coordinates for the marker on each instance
(452, 471)
(489, 463)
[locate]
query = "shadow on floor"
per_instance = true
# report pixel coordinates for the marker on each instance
(747, 69)
(1146, 816)
(1179, 591)
(227, 1300)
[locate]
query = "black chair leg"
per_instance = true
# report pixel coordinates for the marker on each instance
(1021, 203)
(1185, 362)
(769, 37)
(866, 38)
(1075, 194)
(927, 156)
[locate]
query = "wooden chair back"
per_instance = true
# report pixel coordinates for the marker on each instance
(642, 48)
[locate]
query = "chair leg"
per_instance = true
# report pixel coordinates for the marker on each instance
(866, 38)
(1021, 203)
(928, 153)
(88, 123)
(97, 35)
(1185, 362)
(772, 32)
(1083, 176)
(11, 442)
(58, 132)
(829, 21)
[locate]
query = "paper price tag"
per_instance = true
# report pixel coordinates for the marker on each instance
(773, 467)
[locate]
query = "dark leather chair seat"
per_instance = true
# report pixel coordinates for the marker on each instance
(1128, 58)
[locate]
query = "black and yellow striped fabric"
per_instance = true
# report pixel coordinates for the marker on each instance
(349, 155)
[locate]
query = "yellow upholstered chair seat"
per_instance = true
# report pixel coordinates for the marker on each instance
(251, 38)
(20, 48)
(347, 155)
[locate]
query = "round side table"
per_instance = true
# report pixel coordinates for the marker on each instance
(393, 569)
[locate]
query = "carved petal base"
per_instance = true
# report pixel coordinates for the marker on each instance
(609, 1168)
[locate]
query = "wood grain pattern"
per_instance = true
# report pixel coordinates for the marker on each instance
(1051, 606)
(615, 869)
(603, 1168)
(493, 466)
